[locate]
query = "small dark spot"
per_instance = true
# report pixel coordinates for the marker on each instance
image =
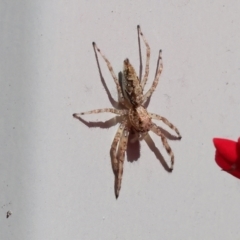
(9, 213)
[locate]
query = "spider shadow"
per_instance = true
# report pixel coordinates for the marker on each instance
(107, 124)
(133, 149)
(157, 153)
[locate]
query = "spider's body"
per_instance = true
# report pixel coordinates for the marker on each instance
(134, 115)
(139, 119)
(132, 90)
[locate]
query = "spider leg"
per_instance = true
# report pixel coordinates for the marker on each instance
(155, 82)
(157, 131)
(103, 110)
(113, 150)
(157, 117)
(143, 83)
(112, 73)
(117, 154)
(121, 157)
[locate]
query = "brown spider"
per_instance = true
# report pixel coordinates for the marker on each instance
(134, 115)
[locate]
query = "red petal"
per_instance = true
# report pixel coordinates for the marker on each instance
(238, 147)
(226, 166)
(235, 173)
(222, 163)
(227, 149)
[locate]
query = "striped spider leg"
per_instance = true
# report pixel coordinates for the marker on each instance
(134, 115)
(119, 144)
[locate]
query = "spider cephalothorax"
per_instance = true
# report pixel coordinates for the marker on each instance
(134, 115)
(140, 119)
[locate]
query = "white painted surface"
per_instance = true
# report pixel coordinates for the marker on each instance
(55, 173)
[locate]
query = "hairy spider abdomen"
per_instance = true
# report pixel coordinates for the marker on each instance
(132, 89)
(140, 119)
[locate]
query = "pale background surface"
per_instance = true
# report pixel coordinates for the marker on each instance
(55, 172)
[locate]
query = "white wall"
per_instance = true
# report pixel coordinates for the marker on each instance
(55, 172)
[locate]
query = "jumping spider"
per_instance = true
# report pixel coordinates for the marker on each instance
(134, 115)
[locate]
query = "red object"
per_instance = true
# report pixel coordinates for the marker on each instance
(228, 155)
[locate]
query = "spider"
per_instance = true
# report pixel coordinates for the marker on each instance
(135, 116)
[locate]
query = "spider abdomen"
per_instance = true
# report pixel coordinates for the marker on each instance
(131, 87)
(140, 119)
